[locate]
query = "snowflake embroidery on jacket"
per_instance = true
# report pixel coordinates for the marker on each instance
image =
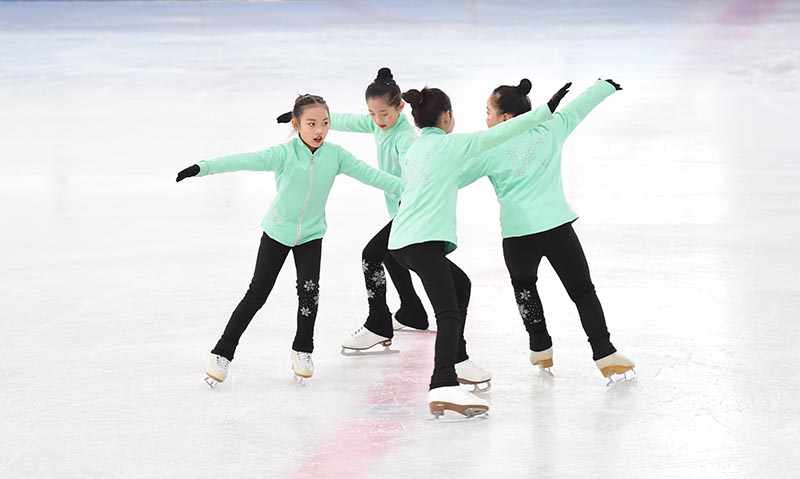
(521, 172)
(305, 311)
(310, 285)
(527, 156)
(512, 153)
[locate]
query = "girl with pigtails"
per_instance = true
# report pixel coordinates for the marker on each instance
(305, 169)
(424, 231)
(393, 134)
(537, 222)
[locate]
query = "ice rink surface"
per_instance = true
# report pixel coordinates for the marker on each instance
(116, 281)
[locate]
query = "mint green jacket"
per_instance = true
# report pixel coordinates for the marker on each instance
(431, 170)
(526, 171)
(303, 181)
(392, 144)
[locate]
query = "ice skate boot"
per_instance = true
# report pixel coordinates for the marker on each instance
(302, 366)
(470, 373)
(217, 370)
(454, 398)
(543, 359)
(361, 340)
(617, 368)
(410, 319)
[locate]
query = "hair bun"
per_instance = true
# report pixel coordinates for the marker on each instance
(524, 86)
(384, 74)
(413, 97)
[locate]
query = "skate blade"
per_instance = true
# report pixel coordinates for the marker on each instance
(299, 380)
(367, 352)
(477, 387)
(211, 382)
(459, 415)
(619, 378)
(546, 371)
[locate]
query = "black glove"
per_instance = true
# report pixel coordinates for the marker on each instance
(614, 84)
(187, 172)
(553, 103)
(285, 118)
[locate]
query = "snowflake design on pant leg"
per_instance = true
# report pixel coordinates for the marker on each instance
(523, 311)
(316, 299)
(524, 295)
(310, 285)
(370, 294)
(364, 265)
(305, 311)
(379, 278)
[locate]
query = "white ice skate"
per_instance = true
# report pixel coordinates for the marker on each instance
(361, 340)
(398, 326)
(217, 370)
(470, 373)
(453, 398)
(617, 368)
(543, 359)
(302, 366)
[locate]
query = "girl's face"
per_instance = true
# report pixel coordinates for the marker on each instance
(383, 114)
(493, 117)
(313, 125)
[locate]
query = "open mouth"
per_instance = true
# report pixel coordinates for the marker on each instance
(382, 127)
(317, 139)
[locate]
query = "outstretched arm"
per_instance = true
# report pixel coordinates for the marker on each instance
(355, 168)
(270, 159)
(571, 115)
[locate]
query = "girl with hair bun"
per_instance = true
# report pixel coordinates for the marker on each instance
(537, 222)
(393, 135)
(305, 169)
(424, 231)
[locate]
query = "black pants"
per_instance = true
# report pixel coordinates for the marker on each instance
(271, 256)
(411, 312)
(448, 289)
(563, 249)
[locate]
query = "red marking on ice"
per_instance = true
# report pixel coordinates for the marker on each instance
(356, 446)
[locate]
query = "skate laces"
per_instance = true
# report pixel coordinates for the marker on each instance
(303, 358)
(222, 363)
(475, 366)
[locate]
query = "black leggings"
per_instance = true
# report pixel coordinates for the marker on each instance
(448, 289)
(271, 256)
(411, 312)
(564, 252)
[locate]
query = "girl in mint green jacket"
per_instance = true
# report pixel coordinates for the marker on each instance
(424, 231)
(537, 221)
(393, 136)
(305, 169)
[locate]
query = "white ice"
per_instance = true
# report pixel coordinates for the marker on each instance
(116, 282)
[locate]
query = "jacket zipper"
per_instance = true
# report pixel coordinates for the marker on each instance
(308, 197)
